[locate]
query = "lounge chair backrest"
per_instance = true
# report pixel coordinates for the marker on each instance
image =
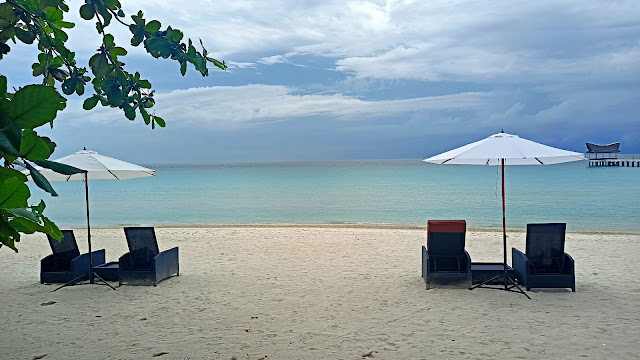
(545, 243)
(446, 237)
(65, 249)
(143, 246)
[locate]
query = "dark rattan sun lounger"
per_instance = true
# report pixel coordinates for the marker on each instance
(66, 263)
(444, 259)
(144, 264)
(545, 264)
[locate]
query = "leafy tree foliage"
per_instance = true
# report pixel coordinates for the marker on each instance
(41, 23)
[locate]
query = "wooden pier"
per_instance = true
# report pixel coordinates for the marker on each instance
(615, 162)
(607, 155)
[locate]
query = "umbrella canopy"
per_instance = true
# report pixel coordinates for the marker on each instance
(97, 167)
(505, 149)
(512, 148)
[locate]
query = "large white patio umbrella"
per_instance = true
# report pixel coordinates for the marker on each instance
(96, 167)
(505, 149)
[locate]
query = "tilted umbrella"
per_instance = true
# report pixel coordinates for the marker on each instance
(95, 167)
(505, 149)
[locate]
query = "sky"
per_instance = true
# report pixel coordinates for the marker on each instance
(338, 80)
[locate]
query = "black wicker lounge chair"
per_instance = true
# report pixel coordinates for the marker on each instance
(66, 264)
(545, 264)
(444, 260)
(144, 264)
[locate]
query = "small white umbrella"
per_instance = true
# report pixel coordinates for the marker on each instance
(95, 167)
(505, 149)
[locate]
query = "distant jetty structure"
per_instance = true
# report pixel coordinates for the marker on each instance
(607, 155)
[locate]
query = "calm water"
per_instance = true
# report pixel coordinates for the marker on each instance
(398, 192)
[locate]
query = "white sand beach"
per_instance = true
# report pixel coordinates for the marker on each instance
(320, 293)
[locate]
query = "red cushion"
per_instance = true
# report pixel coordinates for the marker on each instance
(446, 226)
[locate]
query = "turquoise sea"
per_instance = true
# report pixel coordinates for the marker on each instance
(394, 192)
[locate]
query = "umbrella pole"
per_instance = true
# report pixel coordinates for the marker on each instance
(509, 283)
(504, 229)
(86, 193)
(507, 279)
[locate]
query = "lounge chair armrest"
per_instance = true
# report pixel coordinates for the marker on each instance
(425, 262)
(167, 259)
(468, 260)
(520, 264)
(569, 264)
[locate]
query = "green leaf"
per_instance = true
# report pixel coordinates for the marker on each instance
(99, 65)
(91, 102)
(11, 131)
(54, 14)
(138, 19)
(25, 36)
(38, 68)
(4, 49)
(183, 68)
(60, 36)
(34, 105)
(40, 180)
(52, 229)
(7, 146)
(112, 4)
(117, 51)
(153, 26)
(23, 213)
(50, 144)
(66, 24)
(33, 147)
(145, 116)
(159, 121)
(7, 14)
(174, 34)
(158, 46)
(27, 226)
(8, 234)
(145, 84)
(137, 38)
(59, 167)
(40, 208)
(3, 86)
(114, 95)
(109, 41)
(69, 85)
(80, 87)
(130, 112)
(218, 64)
(58, 74)
(7, 173)
(13, 193)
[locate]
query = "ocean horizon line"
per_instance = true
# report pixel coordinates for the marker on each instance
(290, 162)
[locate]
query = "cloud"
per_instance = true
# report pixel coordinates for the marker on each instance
(434, 40)
(251, 105)
(276, 59)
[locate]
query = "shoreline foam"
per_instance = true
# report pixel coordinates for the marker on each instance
(342, 226)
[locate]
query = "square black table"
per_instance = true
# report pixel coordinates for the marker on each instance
(481, 272)
(108, 271)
